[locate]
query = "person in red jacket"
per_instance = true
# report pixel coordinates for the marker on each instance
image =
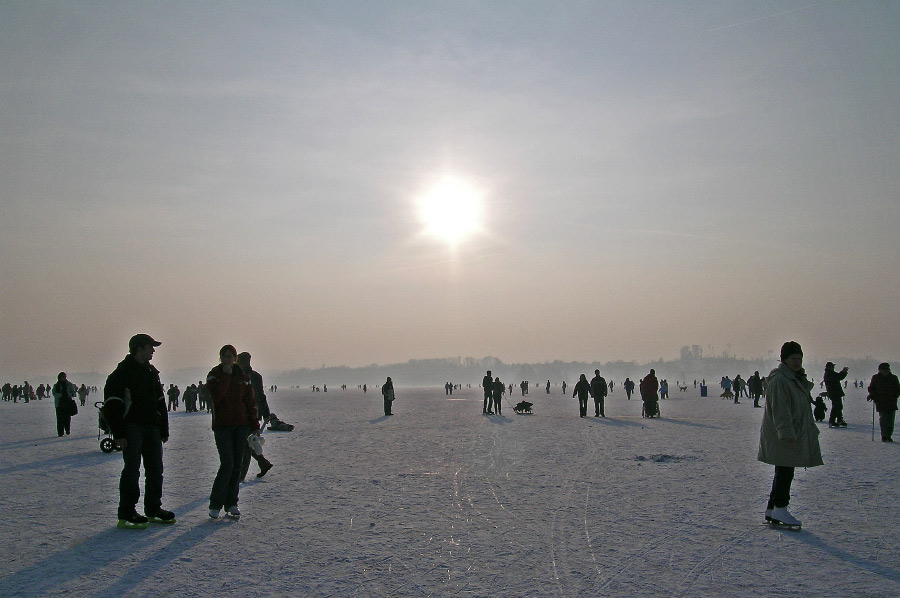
(234, 417)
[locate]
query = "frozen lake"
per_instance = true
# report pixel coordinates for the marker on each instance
(441, 500)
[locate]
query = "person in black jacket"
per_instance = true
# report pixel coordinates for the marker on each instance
(262, 412)
(582, 390)
(884, 389)
(598, 390)
(836, 394)
(134, 406)
(63, 397)
(487, 385)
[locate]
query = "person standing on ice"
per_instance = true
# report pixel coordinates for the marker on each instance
(788, 436)
(598, 391)
(134, 406)
(582, 390)
(487, 385)
(387, 392)
(262, 412)
(498, 388)
(835, 392)
(629, 387)
(754, 385)
(884, 389)
(234, 417)
(63, 397)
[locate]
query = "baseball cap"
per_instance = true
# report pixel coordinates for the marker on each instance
(139, 340)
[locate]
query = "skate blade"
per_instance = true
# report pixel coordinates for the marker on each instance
(774, 524)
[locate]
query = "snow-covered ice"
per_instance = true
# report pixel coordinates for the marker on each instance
(441, 500)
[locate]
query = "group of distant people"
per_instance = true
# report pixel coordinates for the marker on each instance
(26, 392)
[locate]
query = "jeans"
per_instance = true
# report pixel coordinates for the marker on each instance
(143, 443)
(231, 441)
(781, 487)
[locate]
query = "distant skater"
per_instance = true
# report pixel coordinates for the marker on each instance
(498, 389)
(487, 385)
(63, 399)
(835, 392)
(582, 390)
(884, 389)
(387, 392)
(629, 387)
(598, 391)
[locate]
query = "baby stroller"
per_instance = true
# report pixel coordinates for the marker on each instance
(650, 408)
(107, 445)
(523, 407)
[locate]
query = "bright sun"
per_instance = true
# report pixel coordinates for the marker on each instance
(451, 210)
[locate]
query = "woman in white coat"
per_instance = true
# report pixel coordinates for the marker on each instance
(788, 436)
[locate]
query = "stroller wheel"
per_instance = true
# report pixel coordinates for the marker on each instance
(107, 445)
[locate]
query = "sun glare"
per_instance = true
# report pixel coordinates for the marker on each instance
(451, 210)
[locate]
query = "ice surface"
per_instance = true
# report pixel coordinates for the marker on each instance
(441, 500)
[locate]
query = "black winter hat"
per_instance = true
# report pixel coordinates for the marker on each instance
(790, 348)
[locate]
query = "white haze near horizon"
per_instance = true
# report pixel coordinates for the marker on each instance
(654, 174)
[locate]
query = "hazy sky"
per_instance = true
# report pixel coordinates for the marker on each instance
(646, 175)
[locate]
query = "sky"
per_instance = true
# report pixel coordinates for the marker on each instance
(639, 176)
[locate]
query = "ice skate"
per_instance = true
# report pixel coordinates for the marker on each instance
(781, 516)
(132, 521)
(162, 516)
(233, 512)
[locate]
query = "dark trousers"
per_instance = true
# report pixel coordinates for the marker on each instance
(63, 420)
(837, 410)
(582, 406)
(598, 406)
(781, 487)
(143, 444)
(497, 403)
(231, 442)
(886, 420)
(488, 403)
(387, 406)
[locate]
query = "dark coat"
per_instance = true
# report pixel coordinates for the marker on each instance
(133, 394)
(649, 388)
(232, 399)
(582, 389)
(599, 389)
(884, 389)
(833, 383)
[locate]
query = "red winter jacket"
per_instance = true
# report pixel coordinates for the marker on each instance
(232, 399)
